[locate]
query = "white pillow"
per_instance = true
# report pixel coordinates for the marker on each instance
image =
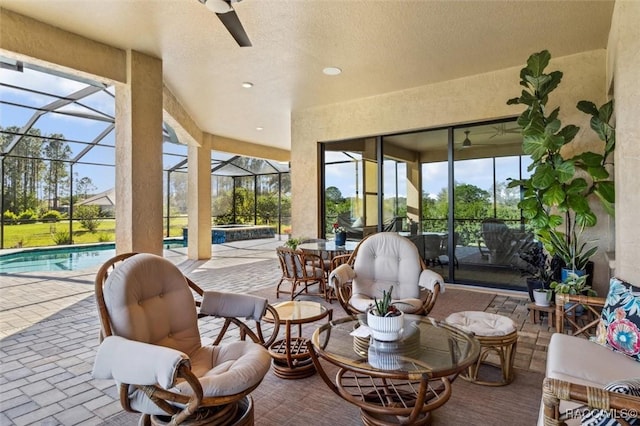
(358, 223)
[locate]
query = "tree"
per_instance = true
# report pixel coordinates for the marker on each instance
(56, 177)
(22, 169)
(333, 194)
(84, 186)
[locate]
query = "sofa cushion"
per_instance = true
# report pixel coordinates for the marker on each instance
(606, 417)
(581, 361)
(619, 327)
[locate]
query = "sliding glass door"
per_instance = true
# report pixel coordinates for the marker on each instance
(445, 189)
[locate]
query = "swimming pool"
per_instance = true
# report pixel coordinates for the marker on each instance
(63, 258)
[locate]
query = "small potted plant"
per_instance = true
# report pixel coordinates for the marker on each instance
(340, 234)
(572, 251)
(384, 319)
(573, 284)
(541, 269)
(293, 243)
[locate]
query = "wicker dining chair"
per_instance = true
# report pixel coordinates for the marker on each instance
(379, 262)
(301, 270)
(151, 344)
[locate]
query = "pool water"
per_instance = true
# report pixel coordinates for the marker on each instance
(62, 259)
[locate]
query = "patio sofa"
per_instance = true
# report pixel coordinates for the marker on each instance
(579, 369)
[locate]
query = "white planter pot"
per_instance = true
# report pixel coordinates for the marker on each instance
(385, 328)
(540, 297)
(383, 360)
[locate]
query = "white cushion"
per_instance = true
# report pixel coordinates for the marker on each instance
(587, 363)
(155, 306)
(482, 323)
(387, 259)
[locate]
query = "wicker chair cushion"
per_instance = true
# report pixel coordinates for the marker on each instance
(605, 417)
(230, 368)
(482, 323)
(619, 327)
(151, 308)
(386, 259)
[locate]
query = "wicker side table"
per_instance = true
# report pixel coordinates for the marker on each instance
(535, 312)
(497, 334)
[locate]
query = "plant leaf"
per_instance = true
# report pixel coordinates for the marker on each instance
(537, 62)
(587, 107)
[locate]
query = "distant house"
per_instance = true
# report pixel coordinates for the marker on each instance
(105, 200)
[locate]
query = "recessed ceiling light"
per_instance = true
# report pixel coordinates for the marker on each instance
(247, 85)
(332, 71)
(259, 128)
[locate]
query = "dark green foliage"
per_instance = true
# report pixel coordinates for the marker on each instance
(62, 238)
(51, 216)
(553, 196)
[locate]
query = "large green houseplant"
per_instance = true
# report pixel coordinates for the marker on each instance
(556, 193)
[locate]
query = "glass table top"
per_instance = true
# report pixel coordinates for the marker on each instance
(425, 346)
(298, 311)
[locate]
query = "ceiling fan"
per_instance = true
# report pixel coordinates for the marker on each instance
(466, 143)
(229, 18)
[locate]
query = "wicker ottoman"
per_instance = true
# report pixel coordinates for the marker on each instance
(497, 334)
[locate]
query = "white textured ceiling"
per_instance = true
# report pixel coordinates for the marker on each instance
(381, 46)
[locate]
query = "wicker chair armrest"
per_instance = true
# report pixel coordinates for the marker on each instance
(555, 390)
(429, 298)
(341, 259)
(233, 305)
(138, 363)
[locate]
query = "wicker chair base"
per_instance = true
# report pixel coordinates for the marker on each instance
(235, 414)
(505, 348)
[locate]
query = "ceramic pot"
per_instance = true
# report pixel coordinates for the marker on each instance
(540, 297)
(386, 329)
(341, 238)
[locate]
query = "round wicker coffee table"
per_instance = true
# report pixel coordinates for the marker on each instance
(290, 356)
(399, 382)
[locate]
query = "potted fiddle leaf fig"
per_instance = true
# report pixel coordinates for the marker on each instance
(556, 193)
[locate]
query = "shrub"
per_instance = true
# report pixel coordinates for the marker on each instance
(62, 238)
(27, 216)
(51, 216)
(89, 217)
(104, 237)
(10, 217)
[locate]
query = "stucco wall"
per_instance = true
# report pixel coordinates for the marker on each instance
(624, 61)
(476, 98)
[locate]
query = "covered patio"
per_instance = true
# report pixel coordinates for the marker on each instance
(48, 322)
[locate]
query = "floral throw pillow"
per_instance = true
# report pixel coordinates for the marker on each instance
(619, 327)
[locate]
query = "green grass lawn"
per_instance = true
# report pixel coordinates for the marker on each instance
(42, 234)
